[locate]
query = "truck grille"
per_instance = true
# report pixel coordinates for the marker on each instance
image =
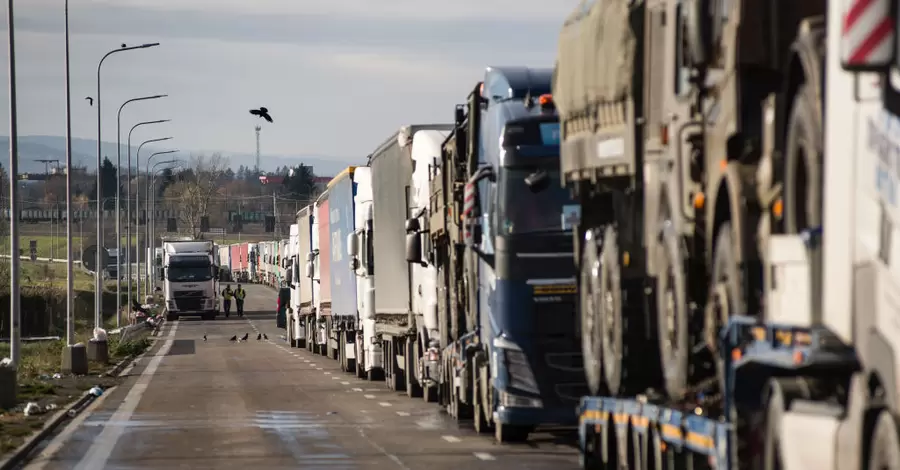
(557, 361)
(189, 299)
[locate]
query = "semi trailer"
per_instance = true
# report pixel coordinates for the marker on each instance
(391, 350)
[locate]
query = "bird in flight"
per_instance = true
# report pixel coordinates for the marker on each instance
(262, 112)
(90, 100)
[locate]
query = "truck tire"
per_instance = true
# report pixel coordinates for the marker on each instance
(342, 351)
(411, 356)
(771, 451)
(804, 178)
(726, 297)
(591, 337)
(507, 433)
(885, 450)
(480, 408)
(611, 311)
(672, 315)
(360, 360)
(803, 172)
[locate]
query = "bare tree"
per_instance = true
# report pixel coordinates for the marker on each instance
(193, 195)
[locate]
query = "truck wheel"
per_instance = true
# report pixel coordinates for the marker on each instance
(803, 164)
(725, 294)
(395, 381)
(342, 351)
(771, 449)
(803, 177)
(591, 337)
(610, 307)
(591, 455)
(411, 356)
(885, 450)
(506, 433)
(672, 316)
(429, 394)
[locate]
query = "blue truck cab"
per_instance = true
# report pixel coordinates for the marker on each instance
(518, 238)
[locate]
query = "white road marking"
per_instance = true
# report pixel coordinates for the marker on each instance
(369, 396)
(384, 404)
(402, 413)
(450, 438)
(335, 378)
(483, 456)
(105, 443)
(326, 373)
(318, 368)
(357, 389)
(345, 383)
(46, 456)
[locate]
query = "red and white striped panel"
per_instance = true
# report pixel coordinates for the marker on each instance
(469, 199)
(868, 34)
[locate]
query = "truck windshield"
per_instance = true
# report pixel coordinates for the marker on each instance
(524, 211)
(189, 273)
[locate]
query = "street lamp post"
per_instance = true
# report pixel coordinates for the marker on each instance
(15, 313)
(137, 205)
(118, 197)
(128, 206)
(151, 239)
(147, 222)
(98, 280)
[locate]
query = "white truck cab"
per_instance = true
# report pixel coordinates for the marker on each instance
(858, 428)
(190, 277)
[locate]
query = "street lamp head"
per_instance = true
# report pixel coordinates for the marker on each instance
(159, 96)
(144, 46)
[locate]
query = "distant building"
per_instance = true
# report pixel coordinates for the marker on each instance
(321, 182)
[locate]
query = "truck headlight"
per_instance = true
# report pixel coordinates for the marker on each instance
(513, 359)
(515, 401)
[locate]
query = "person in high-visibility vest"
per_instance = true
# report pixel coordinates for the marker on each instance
(227, 294)
(239, 295)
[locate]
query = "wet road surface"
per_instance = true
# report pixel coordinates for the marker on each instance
(210, 404)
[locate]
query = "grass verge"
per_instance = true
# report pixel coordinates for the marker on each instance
(39, 381)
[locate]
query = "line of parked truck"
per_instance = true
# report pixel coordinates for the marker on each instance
(680, 239)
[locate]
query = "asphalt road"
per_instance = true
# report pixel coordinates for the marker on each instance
(219, 405)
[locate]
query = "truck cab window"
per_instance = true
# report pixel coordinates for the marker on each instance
(523, 211)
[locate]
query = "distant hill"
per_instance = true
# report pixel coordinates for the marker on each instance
(84, 153)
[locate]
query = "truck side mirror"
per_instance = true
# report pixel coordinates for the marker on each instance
(310, 257)
(414, 248)
(310, 269)
(354, 264)
(352, 245)
(289, 277)
(412, 225)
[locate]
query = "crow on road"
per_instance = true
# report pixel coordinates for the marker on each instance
(265, 337)
(258, 337)
(262, 112)
(246, 335)
(204, 337)
(233, 338)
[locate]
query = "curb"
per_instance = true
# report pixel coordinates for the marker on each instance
(23, 452)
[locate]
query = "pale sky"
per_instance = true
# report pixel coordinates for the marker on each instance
(338, 76)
